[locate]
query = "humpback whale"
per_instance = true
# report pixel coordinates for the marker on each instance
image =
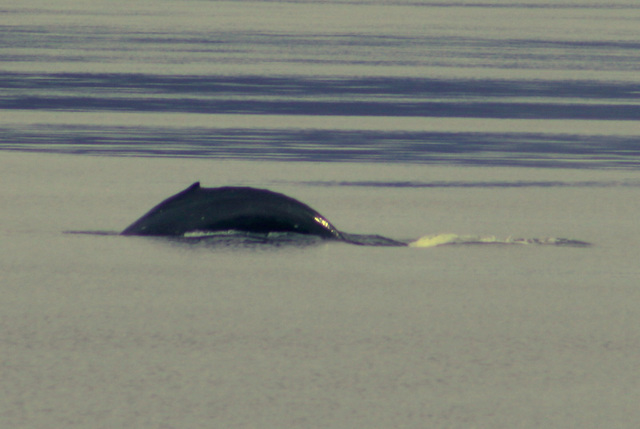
(251, 210)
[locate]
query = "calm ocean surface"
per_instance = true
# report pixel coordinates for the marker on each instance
(495, 82)
(404, 106)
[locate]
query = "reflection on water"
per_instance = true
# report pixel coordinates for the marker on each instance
(466, 148)
(551, 85)
(391, 96)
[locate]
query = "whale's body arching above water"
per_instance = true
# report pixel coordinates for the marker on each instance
(198, 209)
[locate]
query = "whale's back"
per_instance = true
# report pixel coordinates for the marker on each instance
(231, 208)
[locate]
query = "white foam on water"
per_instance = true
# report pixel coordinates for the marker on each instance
(433, 240)
(202, 234)
(448, 239)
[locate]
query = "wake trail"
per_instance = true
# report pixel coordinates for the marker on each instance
(284, 238)
(456, 239)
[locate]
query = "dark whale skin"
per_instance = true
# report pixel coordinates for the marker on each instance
(231, 208)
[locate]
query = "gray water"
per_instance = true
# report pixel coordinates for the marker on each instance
(428, 121)
(544, 84)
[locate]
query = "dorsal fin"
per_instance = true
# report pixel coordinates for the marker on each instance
(193, 187)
